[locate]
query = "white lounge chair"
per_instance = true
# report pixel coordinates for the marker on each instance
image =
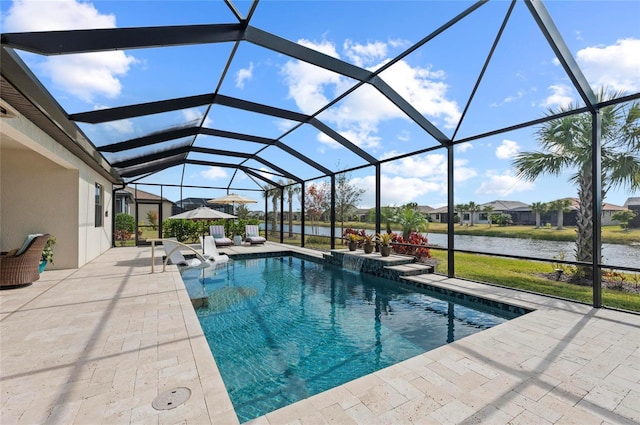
(211, 250)
(252, 234)
(173, 250)
(217, 233)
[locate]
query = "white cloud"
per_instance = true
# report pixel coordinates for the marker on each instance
(395, 190)
(53, 15)
(560, 96)
(84, 75)
(518, 95)
(213, 173)
(364, 55)
(120, 126)
(615, 66)
(429, 168)
(463, 147)
(502, 185)
(243, 75)
(194, 116)
(360, 113)
(266, 174)
(404, 136)
(507, 149)
(425, 90)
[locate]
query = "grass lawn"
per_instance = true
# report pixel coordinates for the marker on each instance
(527, 275)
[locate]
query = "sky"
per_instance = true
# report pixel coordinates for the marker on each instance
(522, 82)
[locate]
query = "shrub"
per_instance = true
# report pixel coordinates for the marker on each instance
(503, 220)
(126, 222)
(152, 218)
(415, 239)
(125, 226)
(182, 230)
(350, 231)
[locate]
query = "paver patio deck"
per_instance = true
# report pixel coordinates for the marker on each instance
(98, 344)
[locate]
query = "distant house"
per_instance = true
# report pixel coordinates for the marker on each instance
(188, 204)
(571, 218)
(521, 213)
(634, 205)
(141, 205)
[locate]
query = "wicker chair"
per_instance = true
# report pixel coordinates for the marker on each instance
(22, 269)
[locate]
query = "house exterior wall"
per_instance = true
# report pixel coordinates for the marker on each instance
(55, 194)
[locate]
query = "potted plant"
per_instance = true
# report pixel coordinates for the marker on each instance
(352, 241)
(367, 243)
(384, 240)
(47, 254)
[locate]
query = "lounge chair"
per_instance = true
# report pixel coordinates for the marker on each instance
(19, 267)
(217, 233)
(173, 250)
(211, 251)
(252, 234)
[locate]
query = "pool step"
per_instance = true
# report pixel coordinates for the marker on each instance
(412, 269)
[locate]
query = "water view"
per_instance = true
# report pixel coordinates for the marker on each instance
(613, 254)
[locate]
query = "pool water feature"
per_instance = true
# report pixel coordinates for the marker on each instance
(282, 329)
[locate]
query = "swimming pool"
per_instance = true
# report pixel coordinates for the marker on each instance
(284, 328)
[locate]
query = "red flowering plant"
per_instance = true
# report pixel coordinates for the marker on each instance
(350, 231)
(413, 245)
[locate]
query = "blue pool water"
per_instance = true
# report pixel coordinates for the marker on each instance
(283, 328)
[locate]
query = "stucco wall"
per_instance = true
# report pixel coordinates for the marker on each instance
(46, 189)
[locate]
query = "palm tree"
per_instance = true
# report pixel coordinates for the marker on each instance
(488, 209)
(460, 209)
(473, 208)
(566, 145)
(274, 194)
(411, 220)
(292, 189)
(387, 215)
(561, 206)
(539, 208)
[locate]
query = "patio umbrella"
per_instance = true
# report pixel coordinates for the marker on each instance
(202, 214)
(232, 199)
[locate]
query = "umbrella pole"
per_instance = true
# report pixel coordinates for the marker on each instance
(203, 242)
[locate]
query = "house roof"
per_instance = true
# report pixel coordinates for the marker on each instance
(575, 204)
(632, 201)
(501, 205)
(142, 195)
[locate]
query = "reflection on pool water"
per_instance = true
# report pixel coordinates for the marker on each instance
(282, 329)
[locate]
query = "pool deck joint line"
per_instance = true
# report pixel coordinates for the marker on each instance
(98, 344)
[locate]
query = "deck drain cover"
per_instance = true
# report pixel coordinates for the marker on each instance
(171, 399)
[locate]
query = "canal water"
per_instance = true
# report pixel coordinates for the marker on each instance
(613, 254)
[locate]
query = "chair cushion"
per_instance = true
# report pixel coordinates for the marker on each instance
(218, 236)
(27, 242)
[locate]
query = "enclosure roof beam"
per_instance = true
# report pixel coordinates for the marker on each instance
(559, 47)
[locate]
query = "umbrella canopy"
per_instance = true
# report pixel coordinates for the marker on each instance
(203, 213)
(232, 198)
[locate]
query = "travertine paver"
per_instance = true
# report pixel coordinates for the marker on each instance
(96, 345)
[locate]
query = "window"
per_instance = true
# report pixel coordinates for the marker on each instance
(98, 194)
(484, 216)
